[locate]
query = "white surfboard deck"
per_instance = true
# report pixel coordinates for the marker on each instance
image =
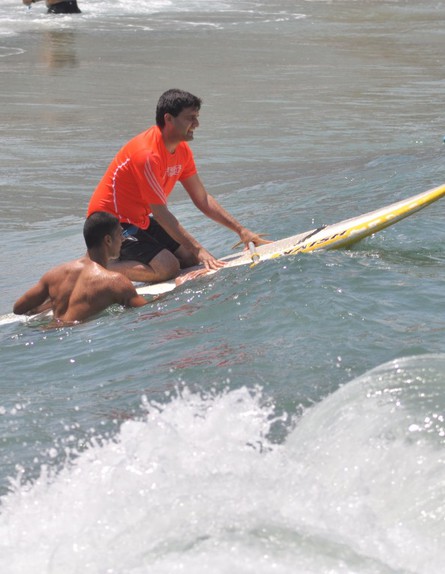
(342, 234)
(335, 236)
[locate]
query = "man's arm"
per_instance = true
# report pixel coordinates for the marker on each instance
(172, 226)
(212, 209)
(33, 299)
(136, 300)
(128, 296)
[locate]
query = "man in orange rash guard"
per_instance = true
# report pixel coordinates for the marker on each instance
(136, 186)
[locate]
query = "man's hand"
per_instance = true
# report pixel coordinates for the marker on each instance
(247, 236)
(181, 279)
(208, 260)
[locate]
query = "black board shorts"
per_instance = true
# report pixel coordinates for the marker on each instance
(67, 7)
(144, 244)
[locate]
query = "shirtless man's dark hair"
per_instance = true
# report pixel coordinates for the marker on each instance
(84, 287)
(173, 102)
(99, 224)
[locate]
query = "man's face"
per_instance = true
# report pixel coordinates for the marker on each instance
(185, 123)
(116, 242)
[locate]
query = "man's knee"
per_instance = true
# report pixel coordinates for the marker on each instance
(186, 258)
(165, 265)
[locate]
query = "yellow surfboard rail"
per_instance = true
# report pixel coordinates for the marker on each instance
(335, 236)
(368, 223)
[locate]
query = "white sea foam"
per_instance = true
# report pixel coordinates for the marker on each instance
(17, 18)
(197, 486)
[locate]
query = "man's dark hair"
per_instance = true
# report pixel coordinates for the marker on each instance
(97, 225)
(173, 102)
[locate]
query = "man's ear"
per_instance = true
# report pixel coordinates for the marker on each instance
(108, 240)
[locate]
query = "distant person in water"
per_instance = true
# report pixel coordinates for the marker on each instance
(58, 6)
(84, 287)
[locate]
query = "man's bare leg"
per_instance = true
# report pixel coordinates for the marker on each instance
(163, 267)
(186, 258)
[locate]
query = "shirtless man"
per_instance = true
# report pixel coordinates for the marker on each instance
(58, 6)
(137, 184)
(84, 287)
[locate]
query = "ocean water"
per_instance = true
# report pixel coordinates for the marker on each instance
(287, 418)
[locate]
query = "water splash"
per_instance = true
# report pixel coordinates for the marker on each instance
(197, 485)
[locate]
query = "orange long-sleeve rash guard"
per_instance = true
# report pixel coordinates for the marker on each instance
(143, 172)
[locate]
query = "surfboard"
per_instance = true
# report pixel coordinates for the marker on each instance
(335, 236)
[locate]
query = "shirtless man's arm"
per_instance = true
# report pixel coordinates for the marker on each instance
(129, 296)
(35, 300)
